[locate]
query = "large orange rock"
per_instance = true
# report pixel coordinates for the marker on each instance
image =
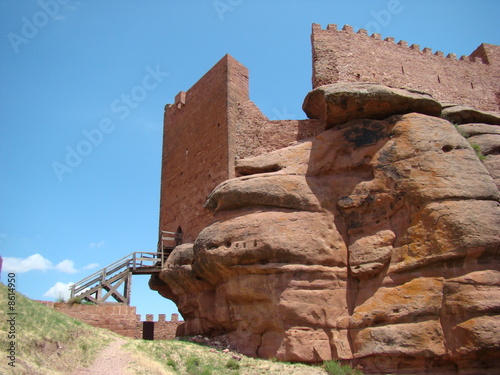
(465, 115)
(338, 103)
(375, 242)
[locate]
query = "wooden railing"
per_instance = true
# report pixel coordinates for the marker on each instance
(136, 262)
(119, 273)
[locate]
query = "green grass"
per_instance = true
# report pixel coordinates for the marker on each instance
(232, 364)
(47, 341)
(75, 301)
(171, 363)
(185, 358)
(335, 368)
(195, 366)
(460, 131)
(475, 146)
(477, 150)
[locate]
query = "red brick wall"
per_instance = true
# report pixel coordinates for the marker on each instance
(164, 329)
(118, 318)
(255, 134)
(346, 56)
(489, 53)
(195, 148)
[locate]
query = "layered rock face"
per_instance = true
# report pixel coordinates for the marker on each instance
(377, 242)
(482, 130)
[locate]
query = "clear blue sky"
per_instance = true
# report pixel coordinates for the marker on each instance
(69, 68)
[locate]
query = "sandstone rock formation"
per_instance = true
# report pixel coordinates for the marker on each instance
(463, 115)
(482, 130)
(376, 241)
(340, 102)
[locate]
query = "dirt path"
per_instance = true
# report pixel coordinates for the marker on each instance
(113, 360)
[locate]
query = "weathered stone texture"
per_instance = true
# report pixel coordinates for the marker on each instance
(337, 103)
(459, 114)
(485, 137)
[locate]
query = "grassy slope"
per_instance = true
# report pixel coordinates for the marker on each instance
(178, 357)
(47, 341)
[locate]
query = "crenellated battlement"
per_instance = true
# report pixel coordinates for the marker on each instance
(119, 318)
(401, 43)
(347, 55)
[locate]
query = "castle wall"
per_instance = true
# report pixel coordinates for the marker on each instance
(164, 329)
(345, 56)
(489, 53)
(255, 134)
(195, 148)
(118, 318)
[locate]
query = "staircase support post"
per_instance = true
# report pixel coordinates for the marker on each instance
(128, 288)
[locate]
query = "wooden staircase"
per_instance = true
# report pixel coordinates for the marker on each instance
(115, 280)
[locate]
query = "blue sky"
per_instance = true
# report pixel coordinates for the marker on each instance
(71, 70)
